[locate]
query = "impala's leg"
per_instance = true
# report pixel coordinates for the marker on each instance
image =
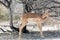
(40, 28)
(41, 32)
(22, 26)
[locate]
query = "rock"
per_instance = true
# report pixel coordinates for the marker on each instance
(8, 29)
(5, 29)
(1, 31)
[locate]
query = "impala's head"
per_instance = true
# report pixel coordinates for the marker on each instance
(45, 15)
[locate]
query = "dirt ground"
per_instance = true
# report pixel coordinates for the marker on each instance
(30, 36)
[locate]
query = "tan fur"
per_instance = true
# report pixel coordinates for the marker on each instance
(36, 18)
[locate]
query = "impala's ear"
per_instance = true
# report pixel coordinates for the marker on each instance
(46, 11)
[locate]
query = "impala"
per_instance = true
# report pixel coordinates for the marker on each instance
(36, 18)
